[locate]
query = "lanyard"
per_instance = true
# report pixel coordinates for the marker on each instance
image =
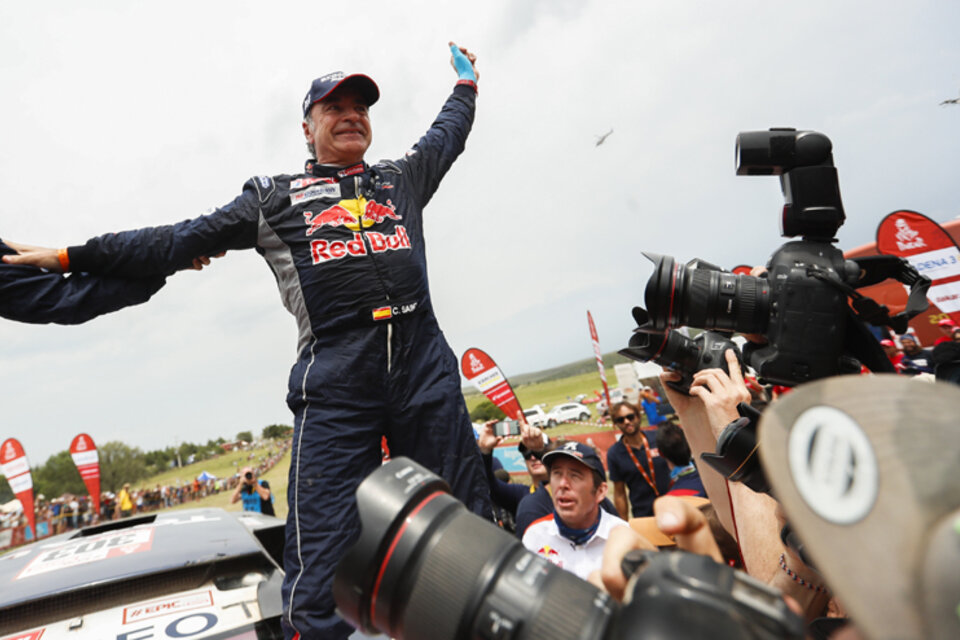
(652, 477)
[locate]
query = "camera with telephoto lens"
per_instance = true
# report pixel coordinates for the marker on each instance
(248, 475)
(424, 567)
(800, 306)
(673, 350)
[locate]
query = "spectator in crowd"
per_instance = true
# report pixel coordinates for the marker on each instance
(124, 502)
(255, 493)
(915, 358)
(637, 471)
(893, 354)
(539, 501)
(684, 476)
(507, 496)
(574, 534)
(947, 327)
(650, 402)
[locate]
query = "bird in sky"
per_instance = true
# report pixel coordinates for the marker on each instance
(950, 101)
(600, 139)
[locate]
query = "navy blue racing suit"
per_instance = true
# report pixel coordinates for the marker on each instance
(28, 294)
(346, 247)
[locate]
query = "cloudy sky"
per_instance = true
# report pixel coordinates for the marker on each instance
(132, 114)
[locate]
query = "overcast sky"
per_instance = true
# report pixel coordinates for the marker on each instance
(122, 114)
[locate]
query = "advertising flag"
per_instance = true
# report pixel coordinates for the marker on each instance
(485, 375)
(84, 454)
(14, 465)
(930, 249)
(599, 356)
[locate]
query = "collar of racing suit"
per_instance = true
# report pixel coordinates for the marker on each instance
(314, 168)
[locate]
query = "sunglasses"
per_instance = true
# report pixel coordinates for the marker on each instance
(530, 455)
(621, 419)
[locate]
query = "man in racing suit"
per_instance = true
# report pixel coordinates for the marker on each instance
(345, 242)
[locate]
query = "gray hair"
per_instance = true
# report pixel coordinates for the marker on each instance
(309, 120)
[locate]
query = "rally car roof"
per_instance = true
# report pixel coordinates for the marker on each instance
(118, 552)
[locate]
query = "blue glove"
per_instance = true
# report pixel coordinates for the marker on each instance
(462, 64)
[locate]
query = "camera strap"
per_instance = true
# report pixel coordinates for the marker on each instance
(876, 269)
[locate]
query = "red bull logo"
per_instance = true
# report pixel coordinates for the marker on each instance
(326, 250)
(550, 554)
(352, 214)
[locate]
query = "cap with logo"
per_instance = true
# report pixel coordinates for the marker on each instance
(579, 452)
(325, 85)
(866, 470)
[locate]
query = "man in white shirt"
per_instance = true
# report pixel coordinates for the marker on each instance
(573, 536)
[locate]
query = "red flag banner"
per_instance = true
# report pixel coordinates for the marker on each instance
(14, 465)
(599, 356)
(930, 249)
(485, 375)
(84, 454)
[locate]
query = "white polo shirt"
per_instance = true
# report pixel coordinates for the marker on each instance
(543, 538)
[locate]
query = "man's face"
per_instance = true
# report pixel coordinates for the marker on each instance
(536, 469)
(574, 497)
(910, 347)
(627, 421)
(341, 132)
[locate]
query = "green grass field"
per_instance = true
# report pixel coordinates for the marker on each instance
(224, 466)
(553, 392)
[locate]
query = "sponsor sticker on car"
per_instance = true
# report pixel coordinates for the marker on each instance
(83, 551)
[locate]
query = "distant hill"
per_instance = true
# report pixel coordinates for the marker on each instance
(578, 367)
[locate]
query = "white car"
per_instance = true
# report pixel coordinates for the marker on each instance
(537, 418)
(569, 411)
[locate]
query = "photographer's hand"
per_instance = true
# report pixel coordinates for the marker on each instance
(530, 436)
(696, 427)
(720, 393)
(487, 441)
(687, 525)
(610, 577)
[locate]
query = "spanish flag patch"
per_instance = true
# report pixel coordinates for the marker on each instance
(383, 313)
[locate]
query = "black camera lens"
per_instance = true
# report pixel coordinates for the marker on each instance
(702, 295)
(425, 567)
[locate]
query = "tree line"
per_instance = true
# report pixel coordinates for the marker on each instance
(121, 463)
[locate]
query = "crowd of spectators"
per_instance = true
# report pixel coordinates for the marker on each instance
(69, 511)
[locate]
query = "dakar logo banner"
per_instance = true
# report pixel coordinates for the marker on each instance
(930, 249)
(599, 356)
(84, 454)
(483, 373)
(14, 465)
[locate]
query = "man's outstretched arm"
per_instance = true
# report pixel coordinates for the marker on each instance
(28, 294)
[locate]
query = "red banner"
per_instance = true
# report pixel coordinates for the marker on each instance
(930, 249)
(14, 465)
(84, 454)
(599, 356)
(485, 375)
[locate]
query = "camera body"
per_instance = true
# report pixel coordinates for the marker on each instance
(800, 304)
(684, 355)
